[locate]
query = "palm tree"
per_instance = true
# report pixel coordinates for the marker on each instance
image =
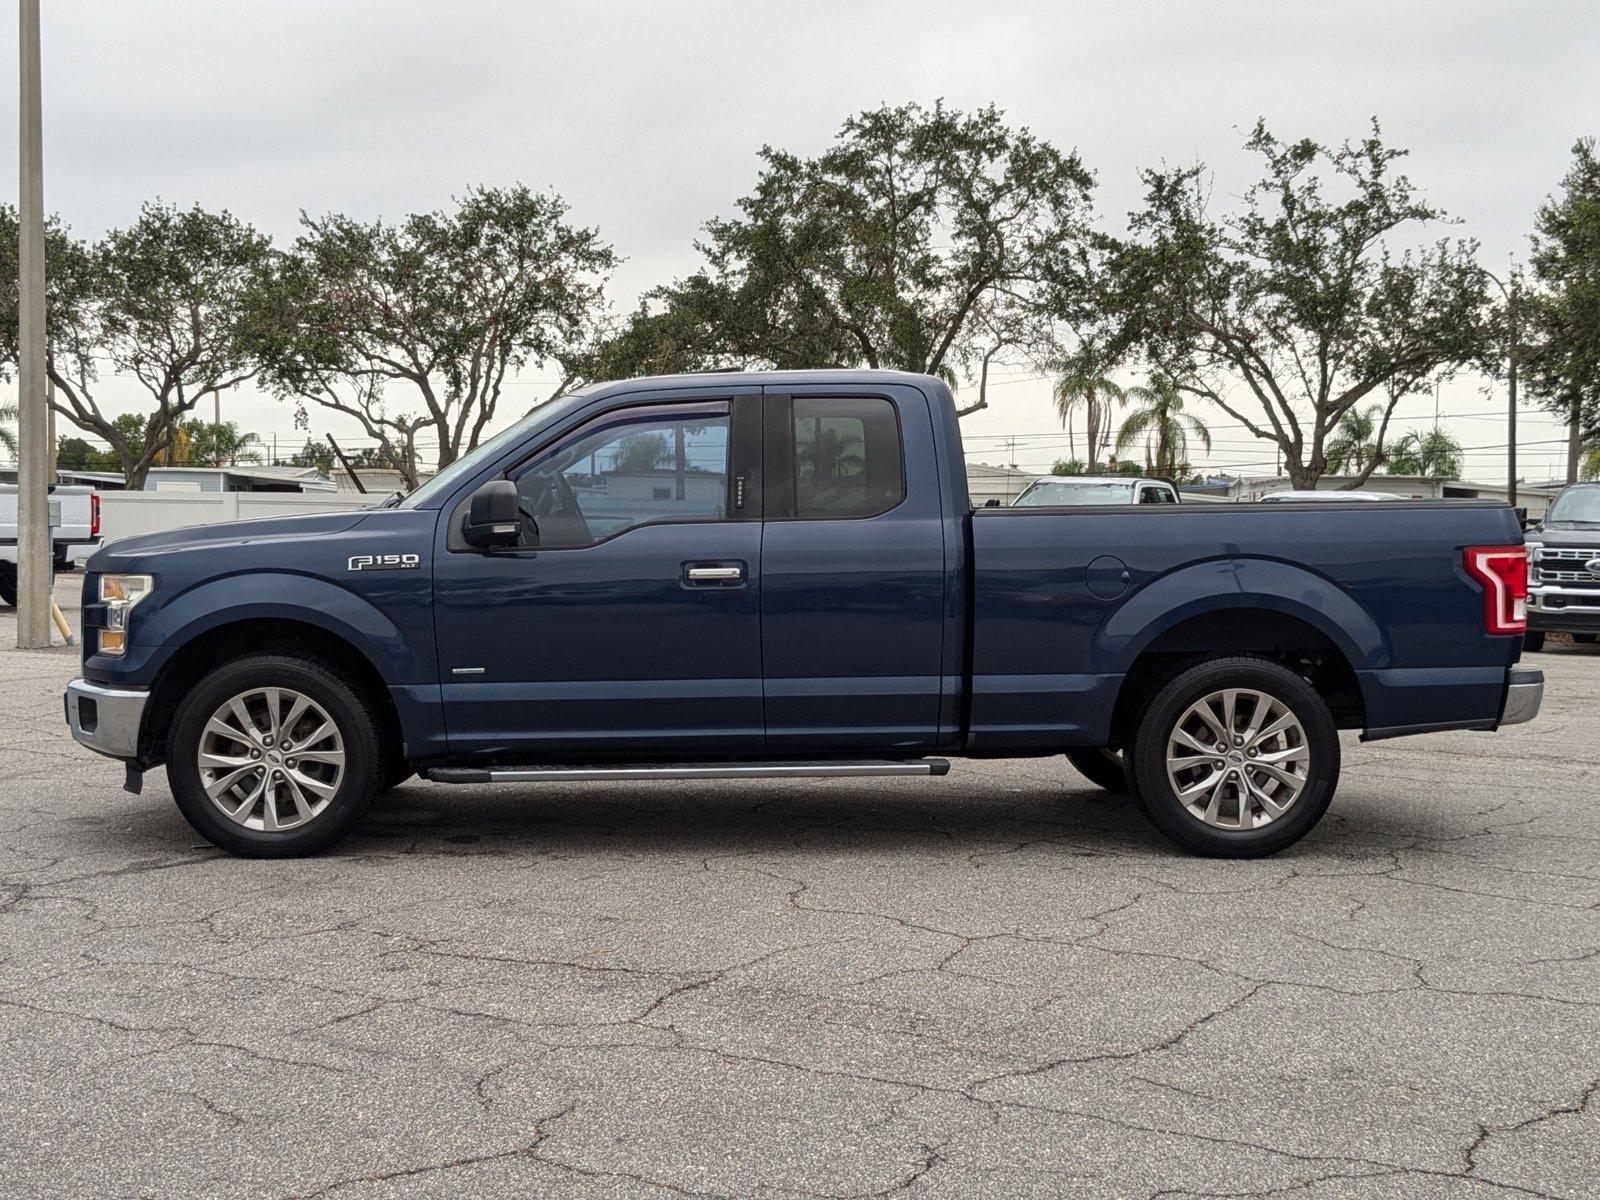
(8, 437)
(1086, 384)
(1433, 455)
(1354, 445)
(1161, 422)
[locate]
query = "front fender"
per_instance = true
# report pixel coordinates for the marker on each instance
(1240, 583)
(275, 596)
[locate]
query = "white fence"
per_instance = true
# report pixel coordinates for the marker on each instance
(123, 514)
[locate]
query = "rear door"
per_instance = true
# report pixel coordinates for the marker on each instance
(852, 596)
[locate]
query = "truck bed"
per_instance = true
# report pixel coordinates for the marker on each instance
(1065, 600)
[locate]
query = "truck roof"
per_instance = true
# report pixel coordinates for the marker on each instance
(740, 378)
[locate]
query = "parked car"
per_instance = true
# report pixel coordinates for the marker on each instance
(75, 517)
(1296, 496)
(739, 576)
(1065, 491)
(1564, 567)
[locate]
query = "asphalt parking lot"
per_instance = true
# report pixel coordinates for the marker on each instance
(1001, 983)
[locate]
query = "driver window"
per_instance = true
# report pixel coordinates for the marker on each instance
(629, 468)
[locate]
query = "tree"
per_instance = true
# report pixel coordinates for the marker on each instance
(312, 454)
(443, 307)
(1086, 385)
(1565, 357)
(1067, 466)
(926, 240)
(1160, 422)
(1354, 444)
(1433, 455)
(170, 301)
(204, 444)
(1299, 306)
(8, 436)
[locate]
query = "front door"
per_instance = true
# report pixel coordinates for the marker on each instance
(628, 621)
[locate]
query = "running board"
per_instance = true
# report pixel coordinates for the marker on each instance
(735, 770)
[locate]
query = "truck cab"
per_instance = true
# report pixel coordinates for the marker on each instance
(739, 576)
(1564, 567)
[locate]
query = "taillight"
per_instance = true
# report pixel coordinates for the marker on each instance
(94, 514)
(1503, 571)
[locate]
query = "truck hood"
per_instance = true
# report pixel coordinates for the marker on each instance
(126, 552)
(1563, 534)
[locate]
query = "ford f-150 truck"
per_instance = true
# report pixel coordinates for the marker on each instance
(780, 574)
(75, 531)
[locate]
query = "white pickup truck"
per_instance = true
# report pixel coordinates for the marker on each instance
(75, 519)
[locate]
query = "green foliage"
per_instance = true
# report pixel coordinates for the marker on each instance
(1434, 455)
(1565, 359)
(442, 306)
(171, 301)
(1067, 466)
(1160, 424)
(1122, 467)
(203, 444)
(1297, 307)
(8, 435)
(1357, 440)
(1086, 386)
(926, 240)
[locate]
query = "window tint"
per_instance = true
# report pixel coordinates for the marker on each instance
(847, 457)
(1155, 495)
(628, 469)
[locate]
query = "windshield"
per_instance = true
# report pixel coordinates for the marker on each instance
(485, 451)
(1579, 505)
(1050, 493)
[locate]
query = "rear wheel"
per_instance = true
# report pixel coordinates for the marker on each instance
(1235, 758)
(1101, 766)
(1533, 642)
(274, 756)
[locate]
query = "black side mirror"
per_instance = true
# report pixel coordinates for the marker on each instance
(492, 517)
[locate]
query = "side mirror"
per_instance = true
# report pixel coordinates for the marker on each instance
(492, 517)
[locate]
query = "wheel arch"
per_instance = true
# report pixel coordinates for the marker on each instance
(1252, 607)
(231, 639)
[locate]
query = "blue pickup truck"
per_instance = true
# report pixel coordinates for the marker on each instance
(780, 574)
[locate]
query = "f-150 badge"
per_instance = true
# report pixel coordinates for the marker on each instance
(385, 562)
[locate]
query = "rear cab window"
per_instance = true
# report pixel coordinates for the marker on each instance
(848, 462)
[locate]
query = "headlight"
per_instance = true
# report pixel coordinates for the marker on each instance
(119, 593)
(1535, 553)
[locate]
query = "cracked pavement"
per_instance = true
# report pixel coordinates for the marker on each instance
(998, 983)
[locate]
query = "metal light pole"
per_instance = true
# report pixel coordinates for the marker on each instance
(1508, 289)
(33, 458)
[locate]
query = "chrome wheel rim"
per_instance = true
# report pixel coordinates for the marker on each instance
(271, 759)
(1238, 759)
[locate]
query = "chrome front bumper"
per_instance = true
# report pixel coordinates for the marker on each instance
(105, 719)
(1524, 691)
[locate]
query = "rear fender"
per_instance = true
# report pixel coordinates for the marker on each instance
(1241, 583)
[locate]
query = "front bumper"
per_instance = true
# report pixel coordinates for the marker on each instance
(1556, 609)
(106, 719)
(1524, 692)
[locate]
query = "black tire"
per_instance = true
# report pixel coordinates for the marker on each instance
(1101, 766)
(1533, 642)
(396, 773)
(365, 755)
(1163, 711)
(1581, 639)
(8, 584)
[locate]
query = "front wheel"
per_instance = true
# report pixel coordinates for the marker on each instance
(1101, 766)
(274, 756)
(1235, 758)
(8, 584)
(1533, 642)
(1581, 639)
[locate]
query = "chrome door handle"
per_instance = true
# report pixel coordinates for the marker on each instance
(712, 574)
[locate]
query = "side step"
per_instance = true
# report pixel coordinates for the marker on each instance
(734, 770)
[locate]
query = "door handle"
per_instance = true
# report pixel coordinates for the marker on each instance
(712, 574)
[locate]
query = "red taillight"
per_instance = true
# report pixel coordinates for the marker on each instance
(1503, 571)
(94, 514)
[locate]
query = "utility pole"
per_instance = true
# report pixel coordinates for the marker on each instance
(34, 550)
(1508, 289)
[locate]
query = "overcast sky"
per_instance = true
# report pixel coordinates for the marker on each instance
(647, 118)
